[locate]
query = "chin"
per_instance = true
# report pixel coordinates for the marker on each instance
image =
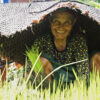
(59, 36)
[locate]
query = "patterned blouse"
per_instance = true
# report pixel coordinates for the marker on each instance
(76, 50)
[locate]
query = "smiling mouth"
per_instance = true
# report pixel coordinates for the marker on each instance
(60, 32)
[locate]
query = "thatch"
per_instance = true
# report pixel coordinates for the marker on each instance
(17, 30)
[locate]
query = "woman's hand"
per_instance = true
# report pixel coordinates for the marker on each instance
(95, 62)
(47, 66)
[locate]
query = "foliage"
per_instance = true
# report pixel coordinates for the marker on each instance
(93, 3)
(32, 56)
(18, 89)
(76, 91)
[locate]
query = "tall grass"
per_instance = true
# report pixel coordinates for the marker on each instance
(20, 90)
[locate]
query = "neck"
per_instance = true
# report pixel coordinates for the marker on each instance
(60, 44)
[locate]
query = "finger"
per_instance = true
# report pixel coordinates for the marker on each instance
(48, 72)
(43, 61)
(51, 69)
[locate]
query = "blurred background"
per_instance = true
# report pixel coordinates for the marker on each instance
(14, 1)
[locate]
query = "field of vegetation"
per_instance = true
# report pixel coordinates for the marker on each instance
(21, 89)
(77, 91)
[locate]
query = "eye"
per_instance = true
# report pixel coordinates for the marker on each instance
(55, 22)
(68, 23)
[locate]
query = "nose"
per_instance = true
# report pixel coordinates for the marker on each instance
(61, 26)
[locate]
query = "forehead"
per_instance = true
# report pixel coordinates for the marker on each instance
(62, 15)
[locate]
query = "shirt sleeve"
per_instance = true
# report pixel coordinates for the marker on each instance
(41, 43)
(38, 44)
(81, 53)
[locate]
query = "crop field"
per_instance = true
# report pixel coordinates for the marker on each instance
(19, 87)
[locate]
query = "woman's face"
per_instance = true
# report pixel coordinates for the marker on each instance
(61, 25)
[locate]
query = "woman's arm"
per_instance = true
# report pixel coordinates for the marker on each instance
(40, 44)
(47, 66)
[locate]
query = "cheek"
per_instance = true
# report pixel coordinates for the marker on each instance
(68, 28)
(53, 28)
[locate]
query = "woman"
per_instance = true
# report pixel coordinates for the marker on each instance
(63, 47)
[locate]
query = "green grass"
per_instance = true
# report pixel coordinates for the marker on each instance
(78, 91)
(18, 89)
(22, 90)
(94, 3)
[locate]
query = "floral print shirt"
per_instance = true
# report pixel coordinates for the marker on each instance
(76, 50)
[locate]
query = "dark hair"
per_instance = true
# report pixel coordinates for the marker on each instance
(60, 10)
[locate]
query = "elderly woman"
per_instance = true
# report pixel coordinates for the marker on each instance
(62, 46)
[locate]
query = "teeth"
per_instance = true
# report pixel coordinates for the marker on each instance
(60, 31)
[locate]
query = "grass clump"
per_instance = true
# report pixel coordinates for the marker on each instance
(20, 90)
(34, 55)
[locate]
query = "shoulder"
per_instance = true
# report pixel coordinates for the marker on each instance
(78, 42)
(78, 39)
(42, 39)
